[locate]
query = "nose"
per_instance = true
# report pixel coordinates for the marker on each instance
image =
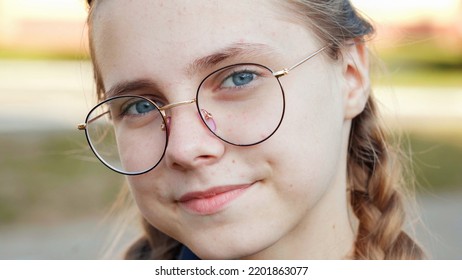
(190, 144)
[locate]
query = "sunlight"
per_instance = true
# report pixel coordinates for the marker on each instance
(408, 11)
(45, 9)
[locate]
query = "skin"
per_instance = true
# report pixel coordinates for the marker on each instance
(296, 206)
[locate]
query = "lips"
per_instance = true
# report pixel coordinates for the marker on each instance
(212, 200)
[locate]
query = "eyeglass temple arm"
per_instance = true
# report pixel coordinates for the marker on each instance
(83, 126)
(173, 105)
(286, 71)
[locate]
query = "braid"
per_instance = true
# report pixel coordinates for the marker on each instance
(375, 198)
(372, 170)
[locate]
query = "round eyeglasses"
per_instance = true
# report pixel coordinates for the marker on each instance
(241, 104)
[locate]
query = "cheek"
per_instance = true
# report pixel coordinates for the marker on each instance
(148, 188)
(311, 135)
(148, 194)
(314, 109)
(154, 205)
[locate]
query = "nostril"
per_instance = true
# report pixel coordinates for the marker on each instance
(191, 143)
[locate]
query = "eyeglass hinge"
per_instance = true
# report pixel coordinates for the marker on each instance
(281, 73)
(81, 126)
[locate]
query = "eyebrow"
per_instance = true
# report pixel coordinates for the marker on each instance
(236, 50)
(131, 86)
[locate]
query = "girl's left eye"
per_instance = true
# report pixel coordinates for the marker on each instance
(140, 107)
(238, 79)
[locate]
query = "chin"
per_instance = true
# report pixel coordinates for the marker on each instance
(226, 248)
(213, 253)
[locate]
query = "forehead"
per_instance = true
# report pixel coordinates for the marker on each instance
(149, 35)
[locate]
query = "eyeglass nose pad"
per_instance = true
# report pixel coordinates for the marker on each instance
(209, 120)
(166, 126)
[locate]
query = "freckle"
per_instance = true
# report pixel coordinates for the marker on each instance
(233, 161)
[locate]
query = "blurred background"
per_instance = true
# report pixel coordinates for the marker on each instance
(54, 196)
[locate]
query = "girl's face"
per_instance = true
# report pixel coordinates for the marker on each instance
(283, 198)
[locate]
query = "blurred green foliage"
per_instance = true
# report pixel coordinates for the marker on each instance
(422, 63)
(49, 176)
(41, 55)
(436, 161)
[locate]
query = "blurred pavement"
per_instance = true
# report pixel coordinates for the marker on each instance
(38, 95)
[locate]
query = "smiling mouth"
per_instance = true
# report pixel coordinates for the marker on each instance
(212, 200)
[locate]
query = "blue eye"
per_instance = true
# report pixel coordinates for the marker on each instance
(238, 79)
(139, 108)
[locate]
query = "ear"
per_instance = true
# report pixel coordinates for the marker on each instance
(357, 79)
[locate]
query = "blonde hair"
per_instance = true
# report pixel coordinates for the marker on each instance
(373, 171)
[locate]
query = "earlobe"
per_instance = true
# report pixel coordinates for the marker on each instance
(357, 79)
